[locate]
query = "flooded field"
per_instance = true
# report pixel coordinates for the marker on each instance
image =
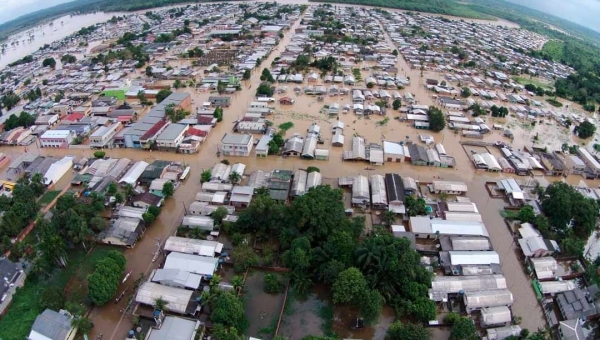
(262, 309)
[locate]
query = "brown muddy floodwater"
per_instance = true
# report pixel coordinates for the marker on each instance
(29, 41)
(114, 321)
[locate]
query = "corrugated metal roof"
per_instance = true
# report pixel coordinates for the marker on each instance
(192, 246)
(177, 298)
(474, 257)
(200, 265)
(495, 316)
(488, 298)
(378, 194)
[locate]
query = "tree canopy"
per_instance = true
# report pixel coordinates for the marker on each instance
(437, 122)
(162, 94)
(104, 282)
(585, 130)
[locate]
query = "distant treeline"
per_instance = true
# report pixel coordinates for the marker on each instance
(83, 6)
(446, 7)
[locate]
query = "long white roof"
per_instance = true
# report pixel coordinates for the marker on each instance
(177, 298)
(134, 173)
(458, 257)
(200, 265)
(488, 298)
(193, 246)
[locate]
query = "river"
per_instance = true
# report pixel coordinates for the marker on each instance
(26, 42)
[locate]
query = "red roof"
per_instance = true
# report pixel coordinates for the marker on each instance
(196, 132)
(124, 119)
(205, 120)
(74, 117)
(153, 130)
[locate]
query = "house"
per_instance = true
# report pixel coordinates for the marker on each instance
(286, 101)
(358, 152)
(201, 265)
(51, 325)
(424, 227)
(199, 222)
(533, 244)
(171, 137)
(146, 200)
(293, 146)
(193, 246)
(418, 155)
(222, 101)
(58, 169)
(181, 301)
(57, 138)
(235, 144)
(132, 175)
(103, 136)
(503, 332)
(575, 329)
(241, 196)
(262, 148)
(299, 183)
(488, 298)
(360, 191)
(378, 193)
(589, 160)
(495, 316)
(393, 152)
(575, 165)
(310, 144)
(448, 187)
(576, 304)
(442, 286)
(176, 278)
(175, 328)
(157, 185)
(124, 232)
(395, 193)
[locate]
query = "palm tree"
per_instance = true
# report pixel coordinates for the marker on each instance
(367, 254)
(237, 282)
(389, 217)
(235, 177)
(160, 303)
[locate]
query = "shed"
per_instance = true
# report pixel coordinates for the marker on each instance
(378, 192)
(132, 175)
(201, 265)
(487, 298)
(299, 183)
(544, 267)
(495, 316)
(393, 152)
(441, 286)
(395, 192)
(193, 246)
(178, 300)
(177, 278)
(449, 187)
(360, 191)
(502, 333)
(313, 179)
(200, 222)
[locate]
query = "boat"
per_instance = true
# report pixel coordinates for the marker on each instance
(126, 276)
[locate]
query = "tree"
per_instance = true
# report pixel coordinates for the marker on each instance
(437, 122)
(177, 84)
(205, 176)
(219, 214)
(228, 309)
(266, 76)
(49, 62)
(476, 110)
(272, 284)
(423, 309)
(371, 303)
(395, 52)
(221, 332)
(99, 154)
(349, 287)
(585, 130)
(402, 331)
(218, 113)
(10, 100)
(53, 298)
(312, 169)
(243, 257)
(160, 303)
(103, 283)
(526, 214)
(235, 177)
(84, 325)
(396, 104)
(98, 223)
(389, 217)
(149, 71)
(162, 94)
(148, 218)
(463, 329)
(68, 59)
(168, 189)
(264, 90)
(416, 207)
(246, 75)
(465, 92)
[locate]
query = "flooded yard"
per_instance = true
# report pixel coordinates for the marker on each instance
(262, 309)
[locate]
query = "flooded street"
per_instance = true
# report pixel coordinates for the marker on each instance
(113, 321)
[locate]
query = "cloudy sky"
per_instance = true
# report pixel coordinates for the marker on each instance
(11, 9)
(582, 12)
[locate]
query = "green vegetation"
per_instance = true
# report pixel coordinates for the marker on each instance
(585, 130)
(321, 244)
(265, 90)
(24, 120)
(463, 329)
(99, 154)
(554, 102)
(272, 284)
(401, 331)
(447, 7)
(104, 282)
(554, 49)
(25, 60)
(537, 83)
(50, 62)
(162, 95)
(312, 169)
(286, 126)
(168, 189)
(437, 121)
(48, 197)
(218, 113)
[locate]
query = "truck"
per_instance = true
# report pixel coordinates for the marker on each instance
(266, 99)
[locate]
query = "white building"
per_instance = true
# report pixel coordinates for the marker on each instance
(201, 265)
(235, 144)
(57, 138)
(103, 136)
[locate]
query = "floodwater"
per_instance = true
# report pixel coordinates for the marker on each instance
(23, 43)
(262, 309)
(111, 321)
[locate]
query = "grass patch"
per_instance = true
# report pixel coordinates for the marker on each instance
(326, 313)
(286, 126)
(25, 307)
(288, 309)
(554, 102)
(510, 214)
(49, 196)
(533, 81)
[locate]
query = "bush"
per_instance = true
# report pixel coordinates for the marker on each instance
(99, 154)
(103, 283)
(312, 169)
(272, 284)
(451, 318)
(53, 298)
(554, 102)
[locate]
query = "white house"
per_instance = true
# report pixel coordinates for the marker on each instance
(236, 144)
(57, 138)
(104, 135)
